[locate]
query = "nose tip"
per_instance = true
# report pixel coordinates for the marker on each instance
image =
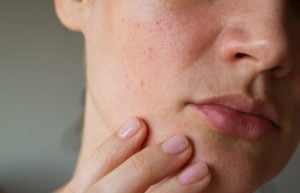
(269, 53)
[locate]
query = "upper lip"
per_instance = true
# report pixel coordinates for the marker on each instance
(244, 104)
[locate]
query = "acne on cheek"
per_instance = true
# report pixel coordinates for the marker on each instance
(148, 54)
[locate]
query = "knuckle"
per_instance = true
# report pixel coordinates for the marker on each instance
(109, 153)
(141, 164)
(102, 156)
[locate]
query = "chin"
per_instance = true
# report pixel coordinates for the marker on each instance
(237, 166)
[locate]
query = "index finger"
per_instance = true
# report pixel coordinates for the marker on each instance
(114, 151)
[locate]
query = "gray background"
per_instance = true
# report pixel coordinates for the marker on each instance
(41, 85)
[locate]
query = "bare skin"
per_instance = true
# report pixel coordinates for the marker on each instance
(154, 58)
(121, 165)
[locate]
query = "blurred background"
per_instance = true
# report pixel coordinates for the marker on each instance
(41, 86)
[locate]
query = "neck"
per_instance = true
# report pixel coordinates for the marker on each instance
(94, 132)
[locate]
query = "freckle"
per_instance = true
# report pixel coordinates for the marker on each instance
(150, 53)
(142, 83)
(157, 23)
(138, 25)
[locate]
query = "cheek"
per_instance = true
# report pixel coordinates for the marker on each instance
(162, 35)
(154, 54)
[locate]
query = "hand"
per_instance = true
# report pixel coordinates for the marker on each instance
(120, 165)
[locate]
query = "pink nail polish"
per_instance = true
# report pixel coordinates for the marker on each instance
(175, 144)
(129, 129)
(193, 173)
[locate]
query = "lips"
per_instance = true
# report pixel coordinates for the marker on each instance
(239, 116)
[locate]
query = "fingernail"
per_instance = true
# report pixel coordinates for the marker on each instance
(194, 173)
(175, 144)
(129, 128)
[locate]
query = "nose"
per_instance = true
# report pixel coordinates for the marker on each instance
(258, 40)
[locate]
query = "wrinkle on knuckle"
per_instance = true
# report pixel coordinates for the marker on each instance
(102, 156)
(141, 164)
(108, 155)
(125, 148)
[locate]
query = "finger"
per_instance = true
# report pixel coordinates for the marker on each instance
(147, 167)
(114, 151)
(193, 179)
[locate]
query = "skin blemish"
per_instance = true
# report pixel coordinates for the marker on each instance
(142, 83)
(138, 25)
(150, 53)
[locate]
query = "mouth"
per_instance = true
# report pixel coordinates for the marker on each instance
(239, 116)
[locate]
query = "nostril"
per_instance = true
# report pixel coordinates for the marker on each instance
(240, 55)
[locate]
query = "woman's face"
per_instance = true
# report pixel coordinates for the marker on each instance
(158, 59)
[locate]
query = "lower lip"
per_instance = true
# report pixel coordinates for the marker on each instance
(237, 124)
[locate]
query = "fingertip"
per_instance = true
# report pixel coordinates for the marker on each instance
(175, 145)
(130, 128)
(194, 173)
(143, 131)
(142, 123)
